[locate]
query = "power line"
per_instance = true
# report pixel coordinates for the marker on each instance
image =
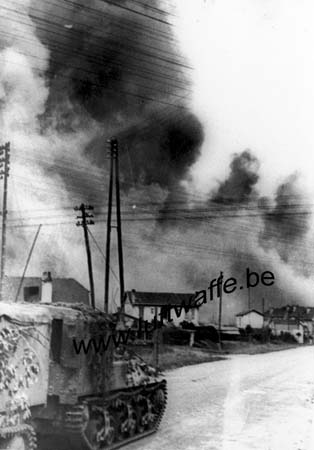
(102, 254)
(140, 73)
(125, 8)
(121, 22)
(63, 33)
(95, 37)
(119, 91)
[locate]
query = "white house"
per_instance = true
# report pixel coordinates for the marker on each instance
(253, 318)
(145, 305)
(293, 319)
(293, 327)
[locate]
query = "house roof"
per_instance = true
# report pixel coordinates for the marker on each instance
(159, 298)
(244, 313)
(63, 289)
(284, 321)
(37, 280)
(305, 313)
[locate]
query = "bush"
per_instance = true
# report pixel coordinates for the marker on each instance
(248, 330)
(187, 325)
(285, 336)
(175, 336)
(206, 333)
(242, 332)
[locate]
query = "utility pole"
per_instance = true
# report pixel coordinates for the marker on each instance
(85, 220)
(156, 342)
(220, 312)
(119, 230)
(4, 173)
(27, 262)
(114, 176)
(106, 306)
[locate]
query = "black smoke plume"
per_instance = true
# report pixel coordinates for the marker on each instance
(125, 72)
(286, 224)
(239, 187)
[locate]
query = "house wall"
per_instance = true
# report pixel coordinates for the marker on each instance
(11, 288)
(310, 326)
(278, 328)
(131, 310)
(253, 319)
(63, 290)
(190, 316)
(148, 313)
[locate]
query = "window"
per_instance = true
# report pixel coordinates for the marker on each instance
(31, 293)
(152, 310)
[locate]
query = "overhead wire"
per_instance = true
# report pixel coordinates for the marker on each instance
(100, 45)
(140, 73)
(102, 254)
(62, 32)
(120, 91)
(176, 211)
(153, 8)
(122, 23)
(126, 8)
(95, 28)
(102, 85)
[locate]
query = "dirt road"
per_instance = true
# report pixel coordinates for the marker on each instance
(262, 402)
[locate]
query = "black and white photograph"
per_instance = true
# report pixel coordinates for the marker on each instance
(156, 224)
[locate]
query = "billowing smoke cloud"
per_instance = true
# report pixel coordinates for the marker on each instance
(286, 223)
(239, 187)
(75, 73)
(109, 65)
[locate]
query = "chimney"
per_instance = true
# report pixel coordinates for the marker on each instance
(46, 288)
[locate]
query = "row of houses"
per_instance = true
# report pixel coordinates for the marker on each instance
(293, 319)
(138, 305)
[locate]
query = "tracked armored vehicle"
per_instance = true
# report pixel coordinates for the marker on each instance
(54, 397)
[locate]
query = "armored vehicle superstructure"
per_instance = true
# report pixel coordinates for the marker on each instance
(49, 392)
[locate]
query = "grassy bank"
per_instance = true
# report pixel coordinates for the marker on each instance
(174, 356)
(252, 348)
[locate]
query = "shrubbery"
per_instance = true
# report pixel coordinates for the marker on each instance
(207, 333)
(175, 336)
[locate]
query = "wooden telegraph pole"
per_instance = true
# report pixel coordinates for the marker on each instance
(27, 262)
(114, 176)
(106, 306)
(85, 220)
(220, 313)
(4, 174)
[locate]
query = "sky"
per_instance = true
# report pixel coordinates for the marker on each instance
(253, 84)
